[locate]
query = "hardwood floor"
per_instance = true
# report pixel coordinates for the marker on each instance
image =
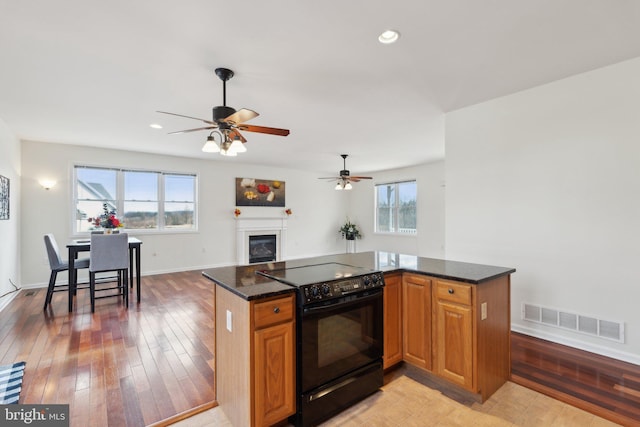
(117, 367)
(151, 363)
(606, 387)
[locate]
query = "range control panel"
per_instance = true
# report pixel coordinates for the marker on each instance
(341, 287)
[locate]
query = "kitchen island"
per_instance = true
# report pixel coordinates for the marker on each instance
(245, 283)
(450, 319)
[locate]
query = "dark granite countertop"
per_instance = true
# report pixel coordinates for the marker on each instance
(246, 283)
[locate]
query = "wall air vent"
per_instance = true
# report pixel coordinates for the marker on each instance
(607, 329)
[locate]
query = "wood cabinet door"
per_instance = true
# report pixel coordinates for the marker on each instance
(454, 343)
(416, 304)
(392, 320)
(274, 374)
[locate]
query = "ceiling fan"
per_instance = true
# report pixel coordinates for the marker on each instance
(227, 124)
(345, 179)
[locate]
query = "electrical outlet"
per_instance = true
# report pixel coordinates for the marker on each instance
(229, 321)
(483, 311)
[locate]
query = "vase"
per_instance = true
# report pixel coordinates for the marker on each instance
(351, 246)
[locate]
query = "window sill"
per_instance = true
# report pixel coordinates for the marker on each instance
(380, 233)
(141, 232)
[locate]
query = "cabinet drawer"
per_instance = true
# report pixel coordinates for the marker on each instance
(454, 292)
(273, 311)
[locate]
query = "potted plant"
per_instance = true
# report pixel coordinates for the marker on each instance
(107, 220)
(350, 231)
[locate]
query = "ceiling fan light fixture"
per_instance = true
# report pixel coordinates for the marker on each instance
(389, 37)
(237, 146)
(210, 146)
(345, 178)
(229, 122)
(225, 149)
(228, 153)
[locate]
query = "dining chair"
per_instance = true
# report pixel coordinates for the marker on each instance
(109, 253)
(57, 264)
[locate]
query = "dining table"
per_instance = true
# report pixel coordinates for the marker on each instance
(76, 246)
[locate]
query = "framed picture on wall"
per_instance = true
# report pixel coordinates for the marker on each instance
(259, 192)
(4, 197)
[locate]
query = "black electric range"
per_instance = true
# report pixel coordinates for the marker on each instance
(339, 336)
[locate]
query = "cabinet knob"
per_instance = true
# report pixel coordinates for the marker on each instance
(276, 310)
(450, 291)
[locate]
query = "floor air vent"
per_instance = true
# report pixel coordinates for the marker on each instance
(574, 322)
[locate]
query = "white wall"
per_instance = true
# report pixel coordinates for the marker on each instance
(10, 229)
(312, 229)
(430, 210)
(548, 181)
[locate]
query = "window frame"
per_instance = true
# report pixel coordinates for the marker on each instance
(120, 200)
(396, 209)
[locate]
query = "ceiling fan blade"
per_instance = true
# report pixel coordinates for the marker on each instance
(188, 117)
(264, 129)
(234, 132)
(193, 130)
(360, 177)
(330, 177)
(241, 116)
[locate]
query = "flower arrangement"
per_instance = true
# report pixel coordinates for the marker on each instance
(107, 219)
(237, 212)
(288, 211)
(350, 231)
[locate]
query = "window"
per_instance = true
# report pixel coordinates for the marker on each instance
(396, 207)
(143, 200)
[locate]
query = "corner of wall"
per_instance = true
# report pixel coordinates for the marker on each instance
(10, 167)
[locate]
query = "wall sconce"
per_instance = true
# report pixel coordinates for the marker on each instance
(47, 184)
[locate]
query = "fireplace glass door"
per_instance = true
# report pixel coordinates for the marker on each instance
(262, 248)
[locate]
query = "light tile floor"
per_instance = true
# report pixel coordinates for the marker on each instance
(407, 403)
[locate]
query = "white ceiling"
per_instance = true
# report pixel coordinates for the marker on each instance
(94, 73)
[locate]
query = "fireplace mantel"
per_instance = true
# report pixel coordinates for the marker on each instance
(254, 226)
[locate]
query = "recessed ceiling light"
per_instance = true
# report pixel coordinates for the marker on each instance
(389, 36)
(155, 126)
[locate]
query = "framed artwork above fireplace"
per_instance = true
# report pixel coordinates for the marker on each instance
(260, 192)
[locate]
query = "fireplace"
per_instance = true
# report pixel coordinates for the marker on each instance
(249, 227)
(262, 248)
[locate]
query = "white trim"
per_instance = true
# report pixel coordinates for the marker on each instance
(120, 201)
(5, 303)
(40, 285)
(396, 208)
(246, 227)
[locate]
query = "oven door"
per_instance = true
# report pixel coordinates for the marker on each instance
(339, 336)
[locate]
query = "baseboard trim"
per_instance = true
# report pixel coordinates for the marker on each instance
(10, 298)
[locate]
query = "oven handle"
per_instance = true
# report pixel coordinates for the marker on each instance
(331, 389)
(338, 301)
